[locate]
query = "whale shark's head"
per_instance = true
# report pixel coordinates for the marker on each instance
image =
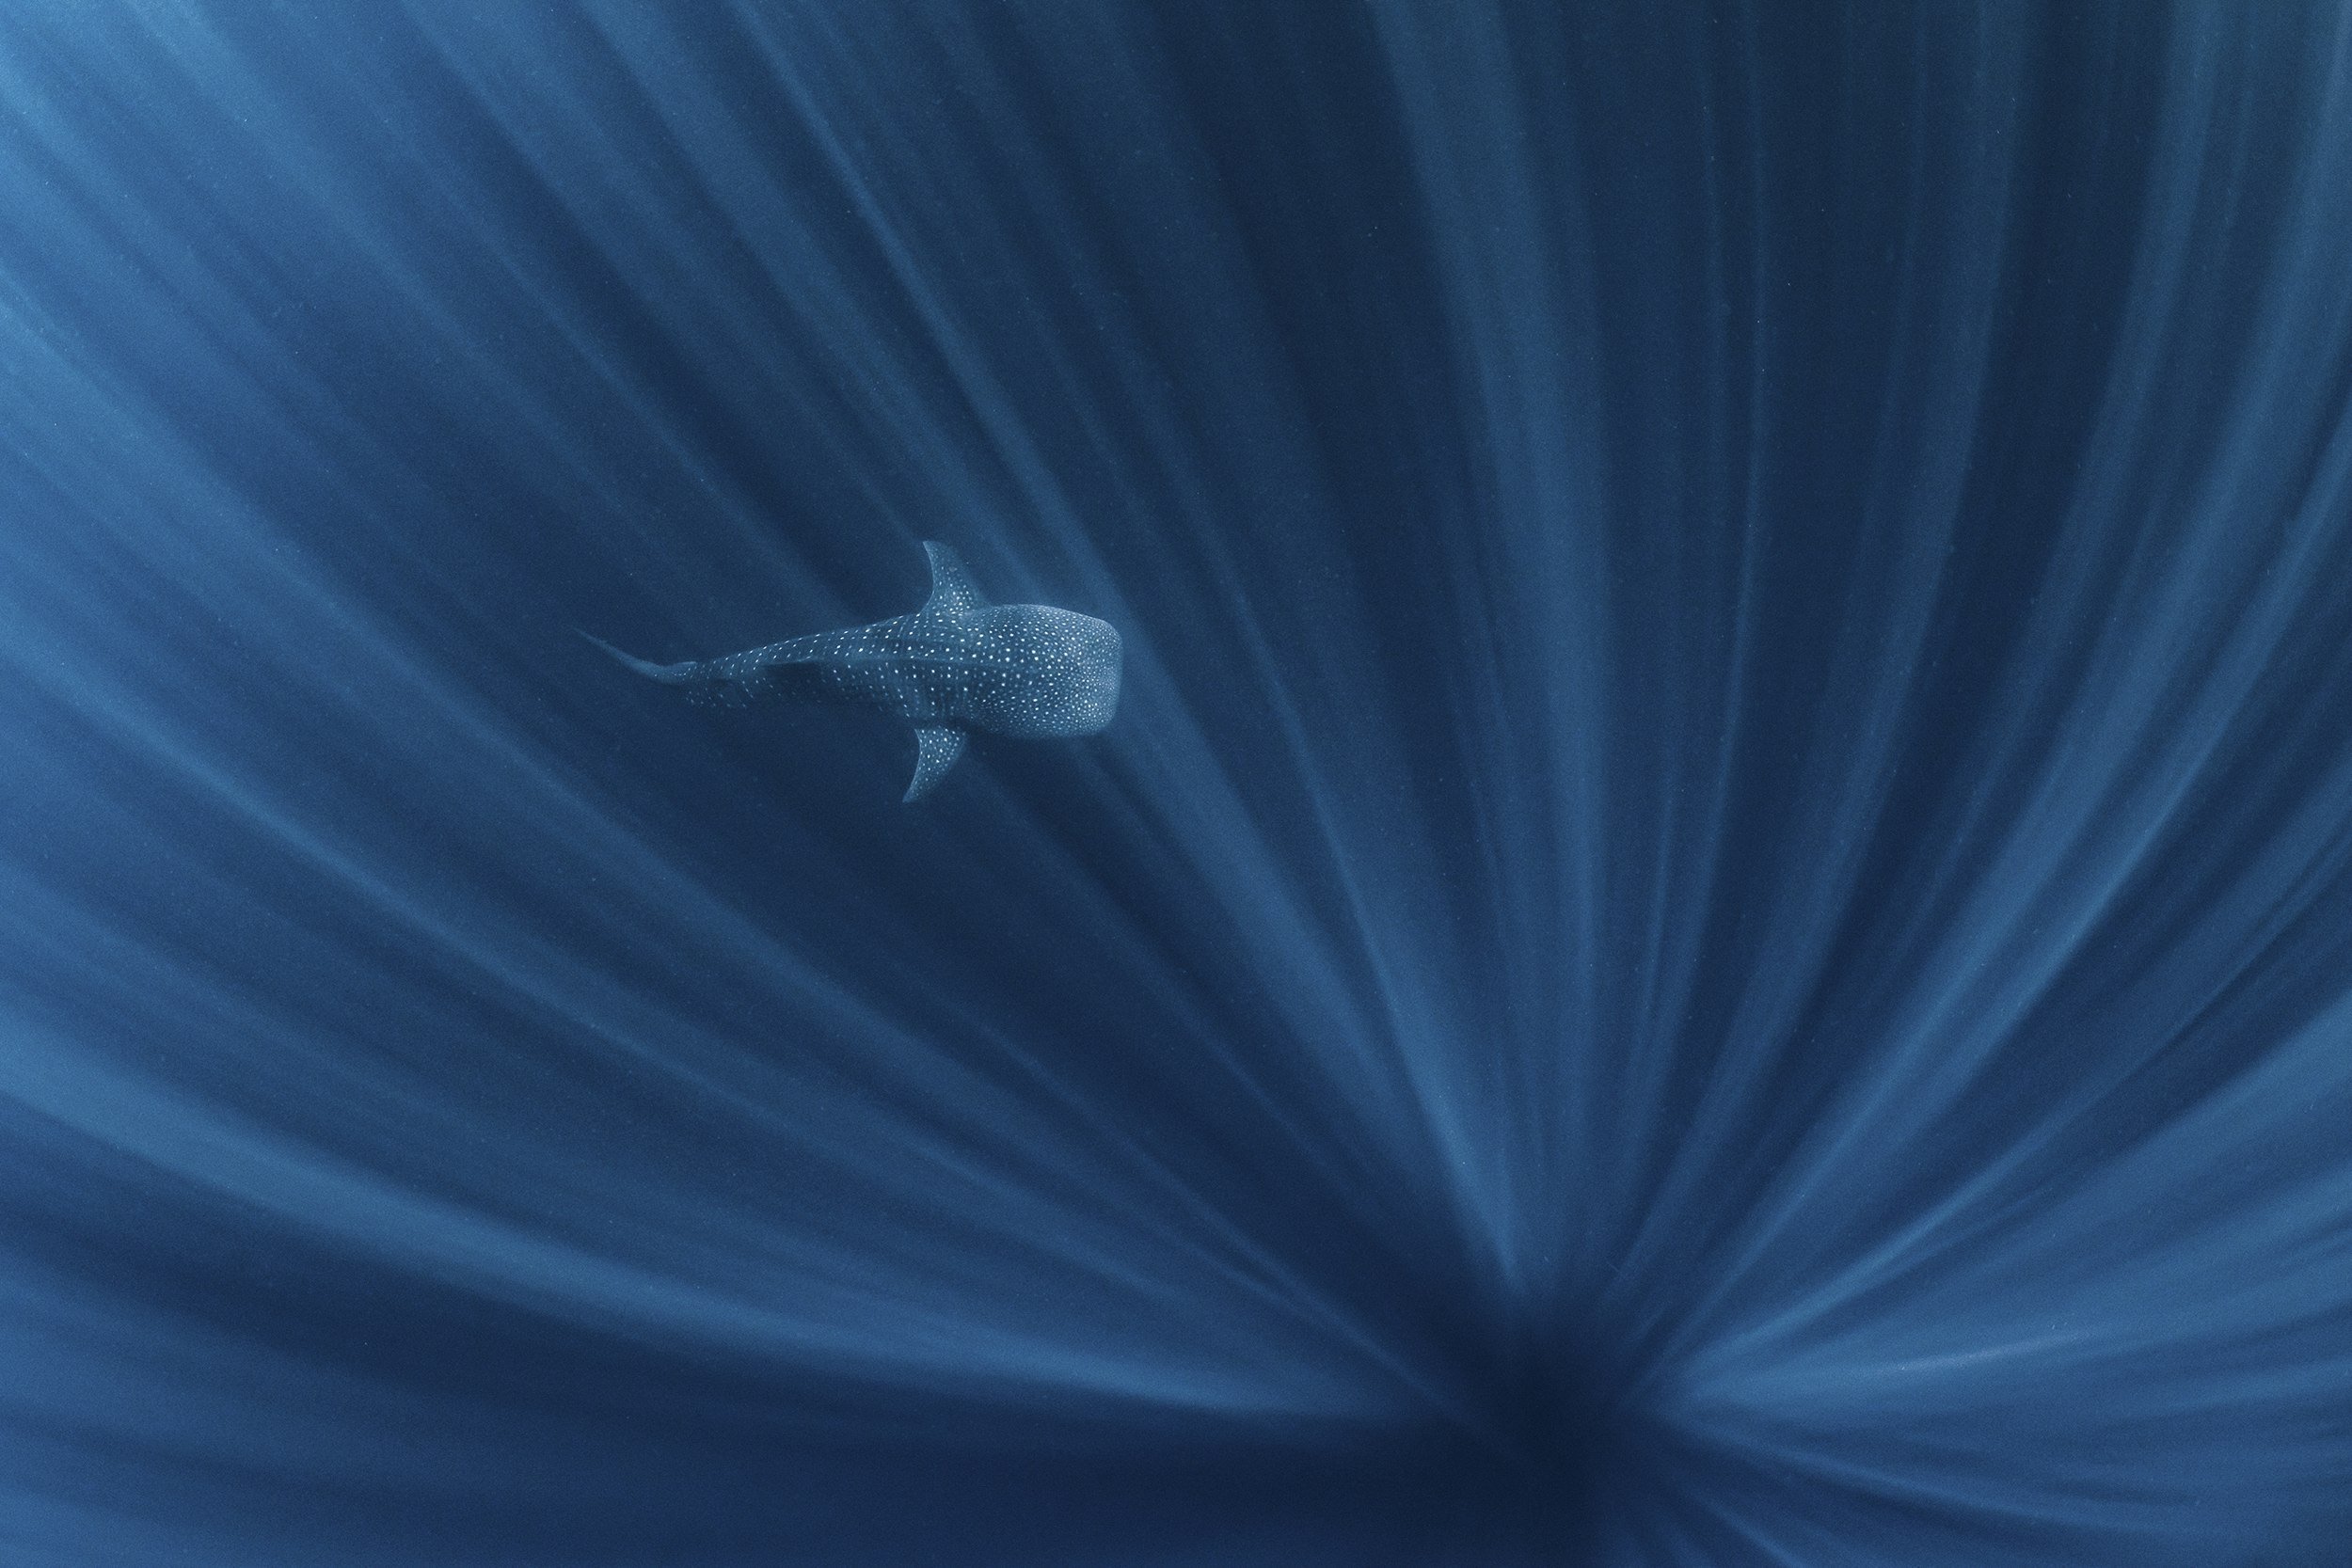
(1068, 664)
(1095, 691)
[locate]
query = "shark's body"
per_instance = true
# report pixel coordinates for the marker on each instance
(956, 665)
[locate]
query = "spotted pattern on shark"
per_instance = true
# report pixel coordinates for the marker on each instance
(958, 664)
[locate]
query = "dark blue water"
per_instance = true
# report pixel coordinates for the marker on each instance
(1715, 929)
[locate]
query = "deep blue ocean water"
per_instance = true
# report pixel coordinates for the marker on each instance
(1716, 928)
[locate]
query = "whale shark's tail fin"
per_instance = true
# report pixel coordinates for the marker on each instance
(763, 674)
(668, 674)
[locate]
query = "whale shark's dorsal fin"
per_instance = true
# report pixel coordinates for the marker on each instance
(952, 592)
(937, 746)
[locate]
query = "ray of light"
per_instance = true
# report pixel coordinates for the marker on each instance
(1714, 928)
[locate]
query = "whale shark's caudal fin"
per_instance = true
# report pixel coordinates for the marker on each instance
(937, 746)
(952, 590)
(668, 674)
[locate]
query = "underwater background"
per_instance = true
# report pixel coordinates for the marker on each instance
(1716, 928)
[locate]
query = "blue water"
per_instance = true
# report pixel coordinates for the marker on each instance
(1716, 928)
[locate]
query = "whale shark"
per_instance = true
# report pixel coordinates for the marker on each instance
(958, 664)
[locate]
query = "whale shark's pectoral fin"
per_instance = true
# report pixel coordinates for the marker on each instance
(952, 590)
(937, 748)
